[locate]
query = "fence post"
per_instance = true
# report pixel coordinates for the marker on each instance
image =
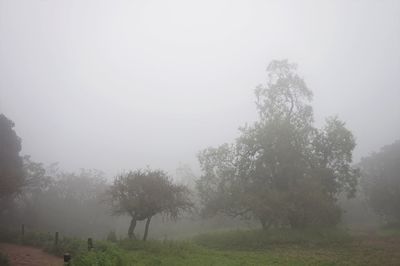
(23, 231)
(90, 243)
(56, 239)
(67, 259)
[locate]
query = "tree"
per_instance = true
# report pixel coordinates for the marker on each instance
(184, 175)
(68, 202)
(281, 170)
(144, 193)
(381, 181)
(11, 164)
(36, 178)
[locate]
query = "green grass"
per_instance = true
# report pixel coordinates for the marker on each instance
(290, 255)
(277, 247)
(261, 239)
(233, 248)
(389, 230)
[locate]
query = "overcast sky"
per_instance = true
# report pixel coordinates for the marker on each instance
(118, 85)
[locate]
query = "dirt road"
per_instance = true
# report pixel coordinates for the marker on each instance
(28, 256)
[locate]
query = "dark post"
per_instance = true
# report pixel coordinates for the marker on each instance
(22, 231)
(90, 244)
(56, 239)
(67, 259)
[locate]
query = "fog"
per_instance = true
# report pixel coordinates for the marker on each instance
(239, 132)
(118, 85)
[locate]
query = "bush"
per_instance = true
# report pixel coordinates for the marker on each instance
(73, 246)
(4, 260)
(381, 182)
(111, 256)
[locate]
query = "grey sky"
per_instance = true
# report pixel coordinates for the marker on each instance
(119, 85)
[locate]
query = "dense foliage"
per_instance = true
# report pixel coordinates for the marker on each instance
(11, 166)
(381, 180)
(281, 170)
(144, 193)
(66, 202)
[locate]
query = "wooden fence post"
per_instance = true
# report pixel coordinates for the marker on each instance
(67, 259)
(90, 243)
(23, 231)
(56, 239)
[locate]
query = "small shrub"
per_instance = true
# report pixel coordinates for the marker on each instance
(4, 260)
(111, 256)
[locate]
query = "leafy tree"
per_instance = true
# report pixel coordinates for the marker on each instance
(37, 179)
(381, 181)
(281, 170)
(144, 193)
(67, 202)
(11, 165)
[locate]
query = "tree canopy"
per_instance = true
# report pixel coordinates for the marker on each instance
(144, 193)
(281, 170)
(11, 163)
(68, 202)
(381, 181)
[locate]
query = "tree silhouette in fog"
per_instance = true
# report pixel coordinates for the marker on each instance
(381, 181)
(11, 163)
(281, 170)
(144, 193)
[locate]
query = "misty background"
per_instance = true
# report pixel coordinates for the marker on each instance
(118, 85)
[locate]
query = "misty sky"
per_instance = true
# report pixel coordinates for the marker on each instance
(118, 85)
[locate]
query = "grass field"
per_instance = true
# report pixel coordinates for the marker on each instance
(281, 247)
(256, 247)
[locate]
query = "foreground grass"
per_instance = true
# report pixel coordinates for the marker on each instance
(277, 247)
(253, 248)
(289, 255)
(261, 239)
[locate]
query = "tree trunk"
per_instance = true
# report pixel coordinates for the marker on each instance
(146, 230)
(131, 230)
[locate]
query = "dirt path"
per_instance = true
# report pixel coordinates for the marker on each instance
(28, 256)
